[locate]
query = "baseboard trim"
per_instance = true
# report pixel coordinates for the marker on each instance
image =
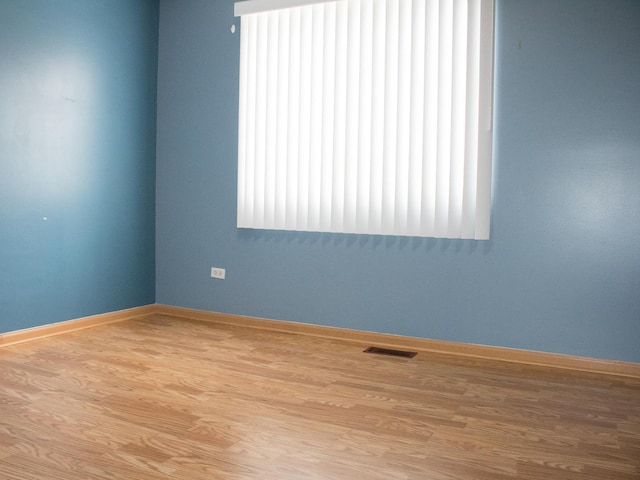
(44, 331)
(360, 337)
(543, 359)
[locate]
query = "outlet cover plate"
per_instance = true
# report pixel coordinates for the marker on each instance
(218, 273)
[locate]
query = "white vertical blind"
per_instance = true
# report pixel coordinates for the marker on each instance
(366, 116)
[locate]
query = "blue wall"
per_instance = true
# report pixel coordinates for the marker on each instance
(77, 142)
(562, 270)
(77, 146)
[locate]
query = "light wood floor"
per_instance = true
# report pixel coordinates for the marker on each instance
(168, 398)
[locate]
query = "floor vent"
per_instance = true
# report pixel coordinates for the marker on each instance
(391, 352)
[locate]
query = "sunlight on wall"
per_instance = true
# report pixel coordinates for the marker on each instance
(62, 129)
(45, 127)
(596, 195)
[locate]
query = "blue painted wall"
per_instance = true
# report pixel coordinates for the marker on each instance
(77, 158)
(562, 270)
(77, 141)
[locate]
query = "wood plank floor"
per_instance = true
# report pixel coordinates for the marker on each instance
(170, 398)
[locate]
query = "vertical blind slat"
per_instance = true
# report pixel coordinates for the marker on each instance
(416, 122)
(340, 121)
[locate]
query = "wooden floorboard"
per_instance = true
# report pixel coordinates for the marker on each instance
(172, 398)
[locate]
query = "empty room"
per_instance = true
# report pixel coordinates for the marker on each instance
(319, 239)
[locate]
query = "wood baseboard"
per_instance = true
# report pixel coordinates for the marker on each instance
(544, 359)
(44, 331)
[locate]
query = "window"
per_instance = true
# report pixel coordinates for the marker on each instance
(366, 116)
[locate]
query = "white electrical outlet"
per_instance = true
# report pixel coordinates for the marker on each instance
(218, 273)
